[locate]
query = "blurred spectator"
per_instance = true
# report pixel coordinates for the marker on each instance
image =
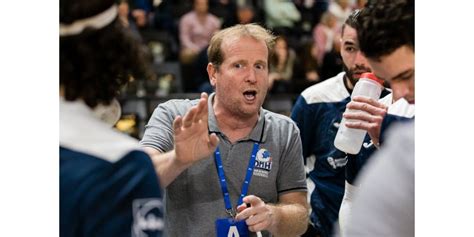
(360, 4)
(163, 18)
(281, 67)
(195, 30)
(281, 16)
(222, 8)
(307, 69)
(341, 9)
(245, 14)
(126, 20)
(324, 34)
(307, 9)
(140, 10)
(320, 7)
(332, 61)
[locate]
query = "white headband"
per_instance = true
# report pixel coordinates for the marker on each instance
(96, 22)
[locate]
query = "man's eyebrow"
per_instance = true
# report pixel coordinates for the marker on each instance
(261, 61)
(350, 42)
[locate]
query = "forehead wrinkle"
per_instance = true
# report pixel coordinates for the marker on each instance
(231, 45)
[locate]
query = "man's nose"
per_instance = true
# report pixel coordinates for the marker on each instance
(360, 60)
(251, 76)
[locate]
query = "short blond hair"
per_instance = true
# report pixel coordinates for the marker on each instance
(214, 51)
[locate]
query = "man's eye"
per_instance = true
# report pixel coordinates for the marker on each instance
(260, 66)
(350, 49)
(238, 65)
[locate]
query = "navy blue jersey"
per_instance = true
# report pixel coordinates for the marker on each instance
(318, 113)
(100, 198)
(107, 186)
(400, 111)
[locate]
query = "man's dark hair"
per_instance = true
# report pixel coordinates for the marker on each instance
(386, 25)
(96, 63)
(352, 21)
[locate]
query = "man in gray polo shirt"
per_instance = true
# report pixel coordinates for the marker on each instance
(275, 203)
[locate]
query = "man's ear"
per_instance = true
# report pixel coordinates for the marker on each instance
(211, 71)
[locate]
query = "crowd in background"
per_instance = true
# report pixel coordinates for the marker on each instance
(178, 32)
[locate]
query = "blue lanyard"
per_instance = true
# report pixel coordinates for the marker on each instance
(245, 185)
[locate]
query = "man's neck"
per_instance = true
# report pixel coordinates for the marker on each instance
(348, 84)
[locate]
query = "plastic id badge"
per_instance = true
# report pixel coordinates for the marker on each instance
(227, 227)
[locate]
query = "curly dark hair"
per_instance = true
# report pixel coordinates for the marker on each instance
(386, 25)
(96, 63)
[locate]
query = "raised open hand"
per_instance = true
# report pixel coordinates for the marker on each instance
(192, 140)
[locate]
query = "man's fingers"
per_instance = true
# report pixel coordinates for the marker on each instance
(369, 108)
(361, 125)
(252, 199)
(255, 202)
(189, 117)
(358, 115)
(213, 141)
(242, 207)
(358, 125)
(201, 109)
(256, 219)
(177, 123)
(258, 227)
(370, 101)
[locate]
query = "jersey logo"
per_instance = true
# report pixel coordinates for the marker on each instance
(367, 144)
(337, 162)
(147, 217)
(263, 163)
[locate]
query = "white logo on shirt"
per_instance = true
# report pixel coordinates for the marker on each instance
(368, 145)
(145, 217)
(337, 162)
(263, 163)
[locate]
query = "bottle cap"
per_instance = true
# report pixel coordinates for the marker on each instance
(371, 76)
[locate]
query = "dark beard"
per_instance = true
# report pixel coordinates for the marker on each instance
(349, 74)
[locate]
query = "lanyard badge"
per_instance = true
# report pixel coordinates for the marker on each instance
(228, 226)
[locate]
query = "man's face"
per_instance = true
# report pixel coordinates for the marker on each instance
(241, 82)
(398, 69)
(355, 62)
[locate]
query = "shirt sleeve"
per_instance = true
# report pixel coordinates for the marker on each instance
(302, 116)
(159, 130)
(292, 176)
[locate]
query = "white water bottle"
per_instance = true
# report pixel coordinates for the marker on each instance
(350, 140)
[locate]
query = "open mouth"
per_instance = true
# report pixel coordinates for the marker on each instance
(250, 95)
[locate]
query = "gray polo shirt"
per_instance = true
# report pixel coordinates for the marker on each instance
(194, 199)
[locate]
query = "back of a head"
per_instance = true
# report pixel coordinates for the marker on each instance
(386, 25)
(97, 54)
(214, 51)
